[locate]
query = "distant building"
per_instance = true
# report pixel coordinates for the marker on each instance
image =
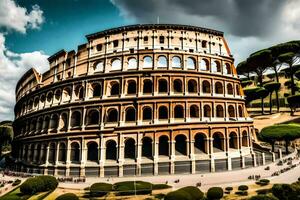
(136, 100)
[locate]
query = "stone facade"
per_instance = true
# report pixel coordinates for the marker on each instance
(135, 100)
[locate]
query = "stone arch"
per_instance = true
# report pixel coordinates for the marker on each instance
(79, 92)
(129, 150)
(147, 86)
(62, 153)
(162, 85)
(33, 124)
(38, 153)
(181, 145)
(178, 111)
(52, 151)
(130, 114)
(147, 62)
(132, 63)
(131, 87)
(220, 111)
(76, 119)
(112, 115)
(49, 97)
(111, 150)
(147, 113)
(233, 140)
(39, 125)
(163, 112)
(192, 86)
(92, 152)
(176, 62)
(116, 64)
(92, 117)
(46, 123)
(228, 68)
(31, 158)
(231, 111)
(194, 111)
(241, 111)
(36, 102)
(66, 94)
(96, 90)
(229, 89)
(218, 88)
(63, 124)
(114, 88)
(204, 65)
(162, 62)
(218, 142)
(163, 145)
(147, 147)
(57, 95)
(54, 122)
(237, 88)
(207, 111)
(191, 63)
(177, 86)
(75, 152)
(205, 87)
(245, 139)
(216, 67)
(200, 143)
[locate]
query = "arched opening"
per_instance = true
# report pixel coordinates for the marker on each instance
(116, 64)
(207, 111)
(205, 87)
(131, 88)
(148, 63)
(163, 146)
(245, 139)
(57, 95)
(39, 125)
(111, 150)
(46, 123)
(163, 112)
(180, 145)
(176, 62)
(62, 152)
(216, 67)
(75, 152)
(51, 158)
(233, 140)
(115, 89)
(200, 146)
(177, 86)
(192, 86)
(147, 87)
(218, 142)
(92, 154)
(228, 68)
(76, 119)
(162, 86)
(162, 62)
(191, 63)
(204, 65)
(132, 63)
(129, 149)
(229, 89)
(54, 122)
(32, 125)
(96, 87)
(241, 111)
(93, 117)
(178, 111)
(130, 115)
(112, 115)
(218, 88)
(38, 153)
(66, 94)
(63, 121)
(147, 113)
(31, 153)
(49, 97)
(220, 111)
(98, 67)
(231, 111)
(194, 111)
(79, 92)
(237, 88)
(147, 147)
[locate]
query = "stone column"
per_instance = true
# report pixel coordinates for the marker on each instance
(280, 154)
(156, 156)
(83, 157)
(254, 159)
(47, 160)
(102, 155)
(68, 158)
(173, 156)
(263, 158)
(121, 155)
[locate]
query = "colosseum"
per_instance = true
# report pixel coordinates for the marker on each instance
(132, 101)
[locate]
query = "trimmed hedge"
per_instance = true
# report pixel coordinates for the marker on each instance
(195, 192)
(100, 189)
(243, 187)
(38, 184)
(215, 193)
(262, 197)
(185, 193)
(132, 187)
(16, 182)
(160, 186)
(263, 191)
(67, 196)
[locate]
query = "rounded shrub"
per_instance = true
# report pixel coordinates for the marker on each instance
(178, 195)
(49, 182)
(262, 197)
(214, 193)
(195, 192)
(262, 191)
(160, 186)
(67, 196)
(132, 187)
(243, 187)
(264, 182)
(32, 186)
(241, 192)
(16, 182)
(100, 189)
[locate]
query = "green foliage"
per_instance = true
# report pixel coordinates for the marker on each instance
(185, 193)
(263, 191)
(286, 191)
(229, 188)
(294, 101)
(129, 187)
(262, 197)
(243, 187)
(160, 196)
(195, 192)
(214, 193)
(250, 94)
(38, 184)
(241, 192)
(271, 87)
(246, 83)
(292, 46)
(280, 132)
(100, 189)
(160, 186)
(287, 57)
(67, 196)
(6, 134)
(297, 74)
(16, 182)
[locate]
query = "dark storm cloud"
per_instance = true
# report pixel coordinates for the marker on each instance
(237, 17)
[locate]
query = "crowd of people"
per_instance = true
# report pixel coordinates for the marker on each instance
(71, 179)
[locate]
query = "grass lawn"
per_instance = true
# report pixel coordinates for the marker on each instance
(15, 195)
(251, 192)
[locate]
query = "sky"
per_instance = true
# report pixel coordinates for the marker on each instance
(31, 31)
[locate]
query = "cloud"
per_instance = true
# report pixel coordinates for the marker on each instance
(14, 17)
(14, 65)
(248, 25)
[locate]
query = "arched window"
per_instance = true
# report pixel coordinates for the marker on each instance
(111, 150)
(115, 88)
(132, 63)
(130, 115)
(220, 111)
(38, 153)
(191, 63)
(93, 117)
(163, 147)
(204, 65)
(231, 111)
(49, 97)
(148, 63)
(162, 85)
(52, 151)
(178, 111)
(194, 111)
(147, 147)
(99, 67)
(63, 121)
(241, 111)
(162, 62)
(216, 67)
(205, 87)
(218, 88)
(79, 91)
(46, 123)
(176, 62)
(75, 152)
(129, 151)
(39, 125)
(147, 113)
(245, 139)
(131, 88)
(96, 88)
(116, 64)
(92, 154)
(238, 90)
(57, 95)
(218, 142)
(207, 111)
(112, 115)
(163, 112)
(192, 86)
(62, 152)
(180, 145)
(177, 85)
(147, 87)
(229, 89)
(54, 122)
(228, 68)
(233, 140)
(66, 94)
(199, 144)
(76, 119)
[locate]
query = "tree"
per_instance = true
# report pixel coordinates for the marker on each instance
(251, 94)
(5, 136)
(271, 87)
(243, 69)
(262, 93)
(294, 102)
